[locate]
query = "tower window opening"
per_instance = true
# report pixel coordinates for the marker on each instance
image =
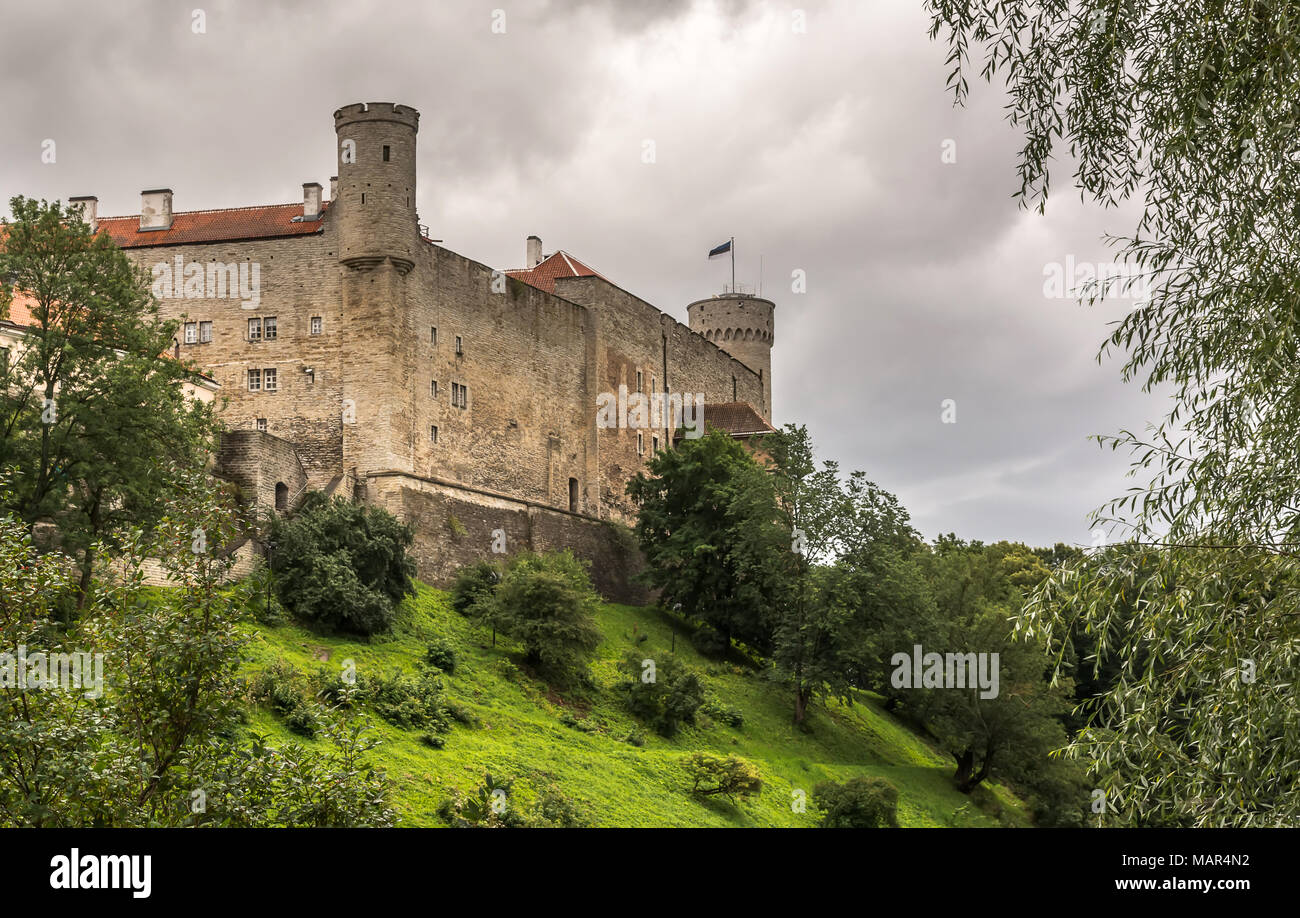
(385, 152)
(573, 495)
(281, 496)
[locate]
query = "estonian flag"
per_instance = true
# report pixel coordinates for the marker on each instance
(721, 249)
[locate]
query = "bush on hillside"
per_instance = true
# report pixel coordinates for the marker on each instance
(730, 777)
(342, 564)
(474, 582)
(668, 700)
(547, 603)
(858, 803)
(441, 654)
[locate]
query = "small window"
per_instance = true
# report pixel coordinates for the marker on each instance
(464, 396)
(653, 383)
(261, 424)
(268, 380)
(254, 380)
(191, 332)
(433, 433)
(640, 444)
(385, 152)
(433, 388)
(254, 329)
(268, 328)
(639, 381)
(281, 496)
(433, 335)
(654, 444)
(315, 325)
(459, 349)
(363, 197)
(573, 495)
(205, 332)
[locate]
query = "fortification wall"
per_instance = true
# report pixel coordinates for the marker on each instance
(455, 525)
(524, 357)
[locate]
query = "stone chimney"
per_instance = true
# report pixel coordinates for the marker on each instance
(533, 252)
(311, 201)
(334, 188)
(89, 205)
(156, 209)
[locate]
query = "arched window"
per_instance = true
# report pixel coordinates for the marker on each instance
(281, 496)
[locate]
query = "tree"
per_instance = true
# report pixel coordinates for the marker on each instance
(149, 742)
(342, 564)
(731, 777)
(979, 590)
(1193, 104)
(667, 696)
(708, 525)
(547, 603)
(96, 427)
(855, 592)
(858, 803)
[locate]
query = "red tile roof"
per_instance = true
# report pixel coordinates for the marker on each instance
(561, 264)
(736, 419)
(20, 310)
(264, 222)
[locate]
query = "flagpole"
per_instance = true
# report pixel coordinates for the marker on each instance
(733, 264)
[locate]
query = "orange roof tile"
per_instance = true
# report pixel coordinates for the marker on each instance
(737, 419)
(561, 264)
(264, 222)
(20, 309)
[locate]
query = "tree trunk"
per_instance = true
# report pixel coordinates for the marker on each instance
(800, 704)
(965, 767)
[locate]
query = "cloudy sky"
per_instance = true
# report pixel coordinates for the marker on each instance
(815, 133)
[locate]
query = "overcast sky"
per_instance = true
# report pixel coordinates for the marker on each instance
(820, 149)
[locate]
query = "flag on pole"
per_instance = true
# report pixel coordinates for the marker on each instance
(721, 249)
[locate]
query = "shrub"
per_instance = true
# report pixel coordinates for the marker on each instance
(547, 603)
(411, 701)
(341, 564)
(474, 582)
(433, 740)
(859, 803)
(730, 777)
(670, 700)
(710, 641)
(442, 655)
(729, 715)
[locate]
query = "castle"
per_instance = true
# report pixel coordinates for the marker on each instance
(358, 356)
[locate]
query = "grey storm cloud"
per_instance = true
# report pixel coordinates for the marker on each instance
(819, 150)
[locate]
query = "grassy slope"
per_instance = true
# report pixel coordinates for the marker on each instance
(521, 734)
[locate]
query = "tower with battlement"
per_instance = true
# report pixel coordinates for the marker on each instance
(742, 325)
(378, 240)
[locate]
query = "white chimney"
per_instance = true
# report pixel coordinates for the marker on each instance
(89, 206)
(533, 252)
(156, 209)
(311, 201)
(334, 188)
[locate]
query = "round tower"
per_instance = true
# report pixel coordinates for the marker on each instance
(742, 325)
(376, 184)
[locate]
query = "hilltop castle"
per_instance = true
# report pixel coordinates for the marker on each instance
(360, 357)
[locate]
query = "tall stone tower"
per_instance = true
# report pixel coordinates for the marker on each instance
(378, 239)
(742, 325)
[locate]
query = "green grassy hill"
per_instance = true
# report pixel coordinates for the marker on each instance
(581, 745)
